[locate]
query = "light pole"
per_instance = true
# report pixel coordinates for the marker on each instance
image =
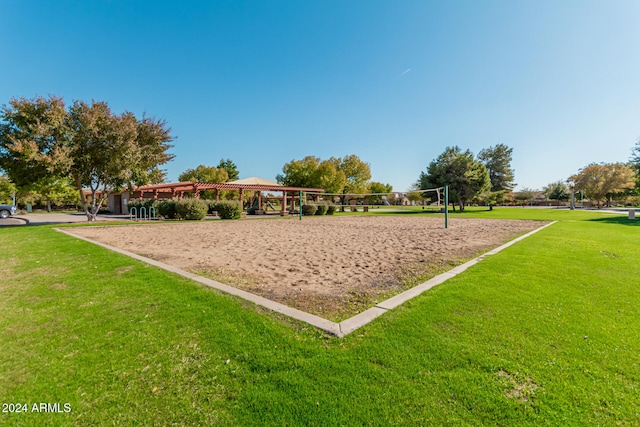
(572, 185)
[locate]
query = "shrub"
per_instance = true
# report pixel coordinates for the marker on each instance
(191, 209)
(331, 209)
(168, 209)
(322, 209)
(309, 209)
(227, 209)
(211, 206)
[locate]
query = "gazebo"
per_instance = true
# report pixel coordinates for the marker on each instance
(179, 189)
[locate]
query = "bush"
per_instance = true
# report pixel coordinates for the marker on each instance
(331, 209)
(322, 209)
(227, 209)
(309, 209)
(168, 209)
(191, 209)
(211, 206)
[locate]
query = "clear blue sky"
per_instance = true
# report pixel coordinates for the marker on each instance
(394, 82)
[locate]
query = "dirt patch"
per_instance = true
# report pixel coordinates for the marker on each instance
(330, 266)
(518, 386)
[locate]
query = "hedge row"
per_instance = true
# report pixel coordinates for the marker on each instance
(189, 209)
(309, 209)
(197, 209)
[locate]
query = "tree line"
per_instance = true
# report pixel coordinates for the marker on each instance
(52, 150)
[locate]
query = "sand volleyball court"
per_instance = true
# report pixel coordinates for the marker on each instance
(329, 266)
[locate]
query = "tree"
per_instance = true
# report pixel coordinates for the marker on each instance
(299, 173)
(98, 150)
(497, 160)
(526, 195)
(557, 191)
(52, 192)
(329, 177)
(312, 172)
(336, 175)
(357, 173)
(231, 168)
(113, 151)
(7, 190)
(204, 173)
(465, 176)
(34, 140)
(601, 181)
(380, 189)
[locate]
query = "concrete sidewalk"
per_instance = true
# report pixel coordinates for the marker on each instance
(56, 218)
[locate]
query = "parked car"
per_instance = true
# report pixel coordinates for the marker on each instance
(7, 210)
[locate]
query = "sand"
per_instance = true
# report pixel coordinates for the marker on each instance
(329, 266)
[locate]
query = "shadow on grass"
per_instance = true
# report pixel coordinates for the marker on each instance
(622, 220)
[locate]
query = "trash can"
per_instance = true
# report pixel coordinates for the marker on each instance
(632, 214)
(29, 208)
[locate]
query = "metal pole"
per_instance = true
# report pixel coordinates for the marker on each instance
(300, 204)
(446, 206)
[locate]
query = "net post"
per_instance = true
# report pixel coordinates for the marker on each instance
(300, 204)
(446, 206)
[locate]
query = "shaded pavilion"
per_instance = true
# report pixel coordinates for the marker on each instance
(179, 189)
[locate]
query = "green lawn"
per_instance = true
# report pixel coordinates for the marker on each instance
(543, 333)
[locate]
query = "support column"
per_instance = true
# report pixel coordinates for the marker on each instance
(284, 203)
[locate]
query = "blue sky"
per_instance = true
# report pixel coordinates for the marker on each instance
(394, 82)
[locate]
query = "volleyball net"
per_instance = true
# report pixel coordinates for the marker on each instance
(429, 200)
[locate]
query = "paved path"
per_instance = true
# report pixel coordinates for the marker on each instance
(55, 218)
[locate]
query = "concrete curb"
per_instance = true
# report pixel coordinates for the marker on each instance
(25, 220)
(338, 329)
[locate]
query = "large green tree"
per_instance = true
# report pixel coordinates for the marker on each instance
(231, 168)
(313, 173)
(602, 181)
(34, 140)
(204, 173)
(98, 150)
(356, 172)
(465, 176)
(497, 160)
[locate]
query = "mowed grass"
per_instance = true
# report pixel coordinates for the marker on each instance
(543, 333)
